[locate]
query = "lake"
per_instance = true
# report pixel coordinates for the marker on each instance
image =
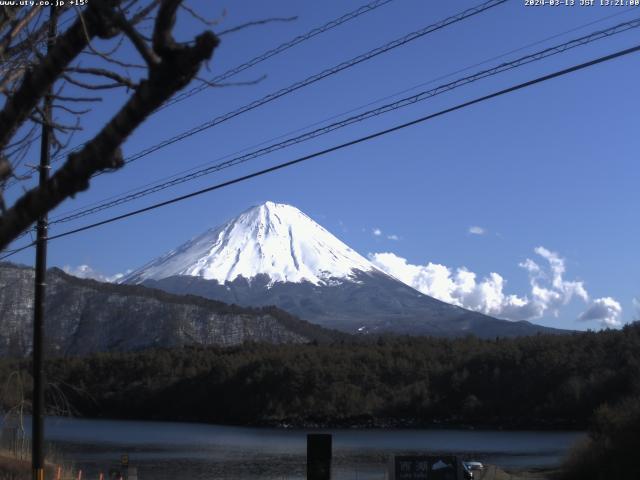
(192, 451)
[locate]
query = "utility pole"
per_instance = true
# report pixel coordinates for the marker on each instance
(37, 421)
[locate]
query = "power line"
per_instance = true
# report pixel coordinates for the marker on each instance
(497, 57)
(9, 253)
(387, 97)
(404, 102)
(369, 7)
(359, 140)
(317, 77)
(279, 49)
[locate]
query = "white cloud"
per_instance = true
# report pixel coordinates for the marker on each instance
(377, 232)
(459, 287)
(636, 305)
(85, 271)
(605, 310)
(548, 288)
(476, 230)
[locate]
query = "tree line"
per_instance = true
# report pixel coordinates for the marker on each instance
(543, 381)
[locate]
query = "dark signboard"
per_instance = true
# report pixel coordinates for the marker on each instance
(426, 467)
(411, 468)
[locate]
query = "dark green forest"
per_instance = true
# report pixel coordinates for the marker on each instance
(544, 381)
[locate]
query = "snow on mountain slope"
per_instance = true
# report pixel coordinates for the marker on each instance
(273, 239)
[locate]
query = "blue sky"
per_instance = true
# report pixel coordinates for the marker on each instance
(552, 168)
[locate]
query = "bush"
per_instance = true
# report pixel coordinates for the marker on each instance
(611, 449)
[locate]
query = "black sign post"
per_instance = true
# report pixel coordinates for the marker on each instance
(318, 456)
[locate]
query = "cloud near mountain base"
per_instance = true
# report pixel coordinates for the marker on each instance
(605, 310)
(85, 271)
(549, 290)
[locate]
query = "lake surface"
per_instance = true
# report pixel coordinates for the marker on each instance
(191, 451)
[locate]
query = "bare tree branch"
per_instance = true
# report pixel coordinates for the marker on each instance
(77, 99)
(25, 138)
(54, 125)
(32, 38)
(36, 82)
(178, 65)
(5, 168)
(138, 41)
(101, 86)
(163, 41)
(6, 15)
(62, 145)
(107, 55)
(255, 23)
(114, 61)
(200, 18)
(70, 110)
(11, 77)
(142, 14)
(16, 29)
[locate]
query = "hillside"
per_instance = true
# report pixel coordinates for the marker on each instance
(85, 316)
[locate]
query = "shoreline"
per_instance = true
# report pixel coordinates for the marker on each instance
(413, 423)
(360, 423)
(355, 423)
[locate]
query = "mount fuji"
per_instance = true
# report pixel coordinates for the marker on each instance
(273, 254)
(271, 239)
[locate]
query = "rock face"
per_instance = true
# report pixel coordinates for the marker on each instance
(85, 316)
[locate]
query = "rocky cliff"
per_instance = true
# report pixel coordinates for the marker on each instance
(84, 316)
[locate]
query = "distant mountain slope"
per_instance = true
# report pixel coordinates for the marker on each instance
(273, 254)
(372, 303)
(85, 316)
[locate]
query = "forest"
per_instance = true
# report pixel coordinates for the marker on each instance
(543, 381)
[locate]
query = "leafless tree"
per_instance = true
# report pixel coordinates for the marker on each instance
(85, 59)
(16, 403)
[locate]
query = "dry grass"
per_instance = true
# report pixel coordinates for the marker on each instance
(492, 472)
(12, 468)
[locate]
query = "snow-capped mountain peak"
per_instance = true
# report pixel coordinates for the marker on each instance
(273, 239)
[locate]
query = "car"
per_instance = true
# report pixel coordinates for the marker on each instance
(474, 465)
(467, 474)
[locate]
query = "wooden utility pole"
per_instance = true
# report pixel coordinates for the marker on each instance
(37, 422)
